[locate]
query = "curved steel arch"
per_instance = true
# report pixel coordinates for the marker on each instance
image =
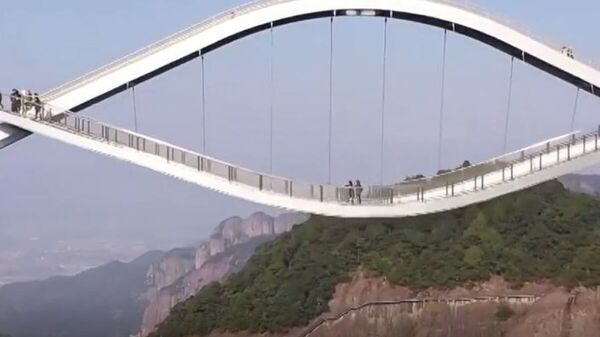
(264, 14)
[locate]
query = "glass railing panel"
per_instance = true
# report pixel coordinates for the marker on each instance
(304, 190)
(218, 169)
(248, 178)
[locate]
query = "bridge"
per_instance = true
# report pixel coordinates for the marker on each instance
(458, 188)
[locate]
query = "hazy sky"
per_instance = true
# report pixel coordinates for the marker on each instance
(53, 192)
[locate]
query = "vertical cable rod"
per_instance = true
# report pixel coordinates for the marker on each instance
(575, 110)
(443, 94)
(383, 88)
(135, 120)
(272, 97)
(508, 105)
(330, 94)
(203, 106)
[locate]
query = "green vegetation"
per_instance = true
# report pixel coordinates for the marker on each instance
(545, 233)
(504, 313)
(415, 177)
(465, 164)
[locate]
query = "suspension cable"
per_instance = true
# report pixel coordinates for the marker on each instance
(135, 120)
(443, 93)
(330, 94)
(203, 107)
(271, 108)
(383, 88)
(575, 110)
(508, 105)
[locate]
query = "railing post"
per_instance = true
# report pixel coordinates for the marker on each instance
(321, 192)
(512, 171)
(596, 142)
(475, 184)
(482, 182)
(503, 174)
(584, 141)
(558, 153)
(568, 151)
(447, 188)
(291, 189)
(541, 162)
(531, 164)
(547, 147)
(260, 182)
(168, 150)
(452, 189)
(199, 163)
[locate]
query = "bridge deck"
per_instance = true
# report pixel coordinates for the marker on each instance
(477, 183)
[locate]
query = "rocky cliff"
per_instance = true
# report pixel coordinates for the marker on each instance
(182, 272)
(371, 306)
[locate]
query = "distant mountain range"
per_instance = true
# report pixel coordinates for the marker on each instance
(588, 184)
(100, 302)
(114, 300)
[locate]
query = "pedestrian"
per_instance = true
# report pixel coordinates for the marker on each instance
(15, 101)
(350, 188)
(359, 189)
(37, 105)
(27, 101)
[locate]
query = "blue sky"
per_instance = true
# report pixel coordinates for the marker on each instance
(52, 191)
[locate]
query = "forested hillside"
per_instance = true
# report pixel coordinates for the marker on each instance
(545, 233)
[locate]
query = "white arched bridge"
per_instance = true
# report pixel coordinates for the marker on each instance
(458, 188)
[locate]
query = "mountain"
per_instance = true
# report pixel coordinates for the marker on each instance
(582, 183)
(181, 273)
(543, 243)
(100, 302)
(123, 299)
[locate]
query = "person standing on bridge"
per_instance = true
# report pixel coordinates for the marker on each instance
(358, 190)
(37, 105)
(15, 101)
(350, 188)
(27, 101)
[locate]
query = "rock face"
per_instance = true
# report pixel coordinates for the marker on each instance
(183, 272)
(372, 307)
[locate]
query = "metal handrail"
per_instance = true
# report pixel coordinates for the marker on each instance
(372, 194)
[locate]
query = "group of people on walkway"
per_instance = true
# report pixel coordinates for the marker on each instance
(24, 101)
(354, 192)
